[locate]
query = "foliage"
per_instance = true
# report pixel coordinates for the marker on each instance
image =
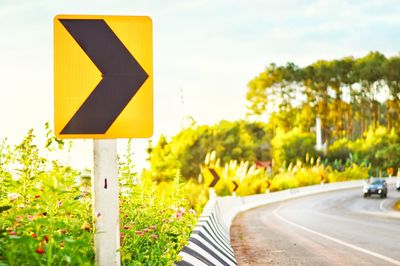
(250, 180)
(339, 150)
(377, 148)
(397, 205)
(356, 99)
(348, 94)
(46, 216)
(292, 146)
(353, 172)
(298, 175)
(240, 140)
(156, 223)
(303, 174)
(48, 220)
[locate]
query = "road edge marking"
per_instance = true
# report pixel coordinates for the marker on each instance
(381, 206)
(371, 253)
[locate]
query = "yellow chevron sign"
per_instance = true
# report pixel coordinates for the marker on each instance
(103, 76)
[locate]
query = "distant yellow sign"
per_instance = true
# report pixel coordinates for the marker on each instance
(103, 76)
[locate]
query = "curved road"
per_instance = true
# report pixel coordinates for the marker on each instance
(336, 228)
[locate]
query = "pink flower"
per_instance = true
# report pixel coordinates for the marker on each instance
(154, 236)
(59, 203)
(146, 230)
(139, 233)
(180, 213)
(153, 227)
(127, 227)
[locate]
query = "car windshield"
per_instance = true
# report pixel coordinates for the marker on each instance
(377, 182)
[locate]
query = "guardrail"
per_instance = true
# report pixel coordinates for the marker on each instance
(209, 243)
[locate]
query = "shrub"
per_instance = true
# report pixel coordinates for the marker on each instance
(46, 213)
(339, 150)
(46, 217)
(292, 146)
(250, 180)
(351, 173)
(306, 175)
(239, 141)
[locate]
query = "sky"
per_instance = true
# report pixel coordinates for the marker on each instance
(205, 52)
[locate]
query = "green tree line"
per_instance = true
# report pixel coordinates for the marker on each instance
(186, 151)
(349, 95)
(356, 99)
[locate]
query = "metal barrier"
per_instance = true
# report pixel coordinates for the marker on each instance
(209, 243)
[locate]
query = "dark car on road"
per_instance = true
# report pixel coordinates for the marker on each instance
(375, 186)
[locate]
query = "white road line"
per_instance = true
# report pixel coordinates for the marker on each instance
(377, 255)
(381, 206)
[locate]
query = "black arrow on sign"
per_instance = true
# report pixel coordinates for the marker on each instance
(216, 177)
(236, 186)
(122, 76)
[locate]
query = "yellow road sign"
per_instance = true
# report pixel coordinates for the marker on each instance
(103, 76)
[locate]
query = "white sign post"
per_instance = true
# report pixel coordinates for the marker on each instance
(106, 202)
(111, 109)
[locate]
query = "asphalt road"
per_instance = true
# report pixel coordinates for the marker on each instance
(336, 228)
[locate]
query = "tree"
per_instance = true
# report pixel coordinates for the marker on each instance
(240, 140)
(348, 94)
(368, 71)
(292, 146)
(392, 78)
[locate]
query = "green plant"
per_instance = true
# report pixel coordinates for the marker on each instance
(46, 214)
(156, 222)
(238, 140)
(289, 147)
(250, 180)
(42, 223)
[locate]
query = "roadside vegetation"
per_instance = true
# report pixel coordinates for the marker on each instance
(46, 216)
(397, 206)
(356, 100)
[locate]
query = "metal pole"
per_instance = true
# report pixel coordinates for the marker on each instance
(318, 133)
(106, 202)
